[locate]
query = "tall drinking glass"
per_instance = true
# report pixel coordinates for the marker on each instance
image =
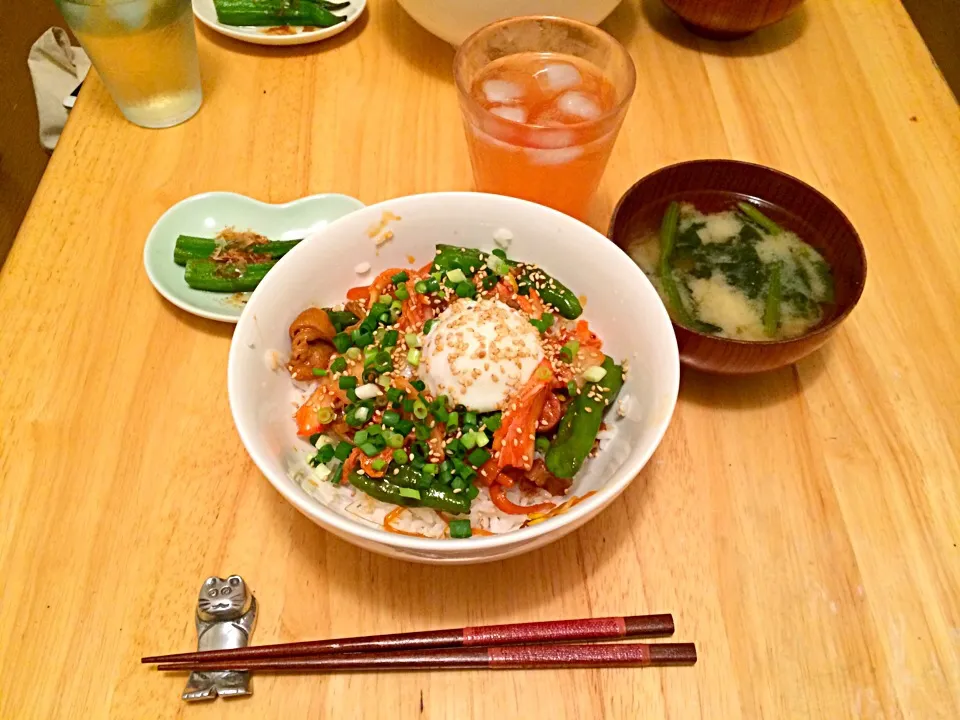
(542, 99)
(146, 54)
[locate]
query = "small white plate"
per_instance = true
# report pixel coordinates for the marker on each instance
(207, 14)
(207, 214)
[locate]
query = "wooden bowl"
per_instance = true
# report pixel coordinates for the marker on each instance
(714, 185)
(730, 19)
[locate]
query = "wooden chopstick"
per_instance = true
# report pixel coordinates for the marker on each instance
(553, 631)
(460, 658)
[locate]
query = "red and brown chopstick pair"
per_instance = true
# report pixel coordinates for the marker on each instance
(520, 645)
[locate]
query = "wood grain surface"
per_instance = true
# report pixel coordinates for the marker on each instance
(801, 526)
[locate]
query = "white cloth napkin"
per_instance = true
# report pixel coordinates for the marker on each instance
(56, 68)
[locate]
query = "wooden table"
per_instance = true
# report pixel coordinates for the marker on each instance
(802, 526)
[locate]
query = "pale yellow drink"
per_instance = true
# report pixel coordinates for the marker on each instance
(145, 51)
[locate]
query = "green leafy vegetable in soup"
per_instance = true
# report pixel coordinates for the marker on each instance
(735, 274)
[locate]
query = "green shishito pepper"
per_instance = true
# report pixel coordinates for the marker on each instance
(552, 291)
(189, 247)
(581, 423)
(224, 277)
(277, 12)
(438, 498)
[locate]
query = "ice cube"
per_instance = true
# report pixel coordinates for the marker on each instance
(552, 138)
(517, 114)
(557, 77)
(498, 92)
(131, 15)
(553, 157)
(579, 105)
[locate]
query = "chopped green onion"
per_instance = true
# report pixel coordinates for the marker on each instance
(399, 277)
(456, 276)
(413, 357)
(407, 405)
(361, 437)
(404, 427)
(390, 339)
(324, 415)
(395, 440)
(458, 484)
(368, 391)
(493, 422)
(402, 292)
(427, 327)
(572, 388)
(542, 444)
(378, 464)
(374, 430)
(419, 385)
(419, 409)
(400, 456)
(394, 394)
(342, 451)
(391, 418)
(470, 418)
(478, 457)
(369, 355)
(347, 382)
(362, 413)
(569, 351)
(319, 372)
(368, 449)
(594, 374)
(433, 284)
(469, 440)
(338, 365)
(410, 493)
(498, 265)
(472, 492)
(454, 447)
(430, 468)
(324, 454)
(482, 438)
(354, 353)
(453, 420)
(412, 340)
(420, 287)
(352, 395)
(341, 341)
(385, 299)
(499, 253)
(466, 290)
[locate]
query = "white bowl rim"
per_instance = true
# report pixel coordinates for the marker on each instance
(317, 511)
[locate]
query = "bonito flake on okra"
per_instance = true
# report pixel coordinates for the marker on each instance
(457, 399)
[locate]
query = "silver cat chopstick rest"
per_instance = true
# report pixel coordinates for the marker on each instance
(226, 616)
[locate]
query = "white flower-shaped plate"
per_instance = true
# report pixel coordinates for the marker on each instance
(207, 214)
(207, 14)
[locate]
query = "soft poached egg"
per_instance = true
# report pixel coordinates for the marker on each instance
(479, 353)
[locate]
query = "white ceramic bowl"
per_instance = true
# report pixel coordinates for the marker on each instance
(622, 307)
(454, 20)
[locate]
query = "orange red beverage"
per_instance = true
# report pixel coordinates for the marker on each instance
(542, 99)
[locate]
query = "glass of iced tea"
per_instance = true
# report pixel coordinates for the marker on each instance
(543, 99)
(145, 52)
